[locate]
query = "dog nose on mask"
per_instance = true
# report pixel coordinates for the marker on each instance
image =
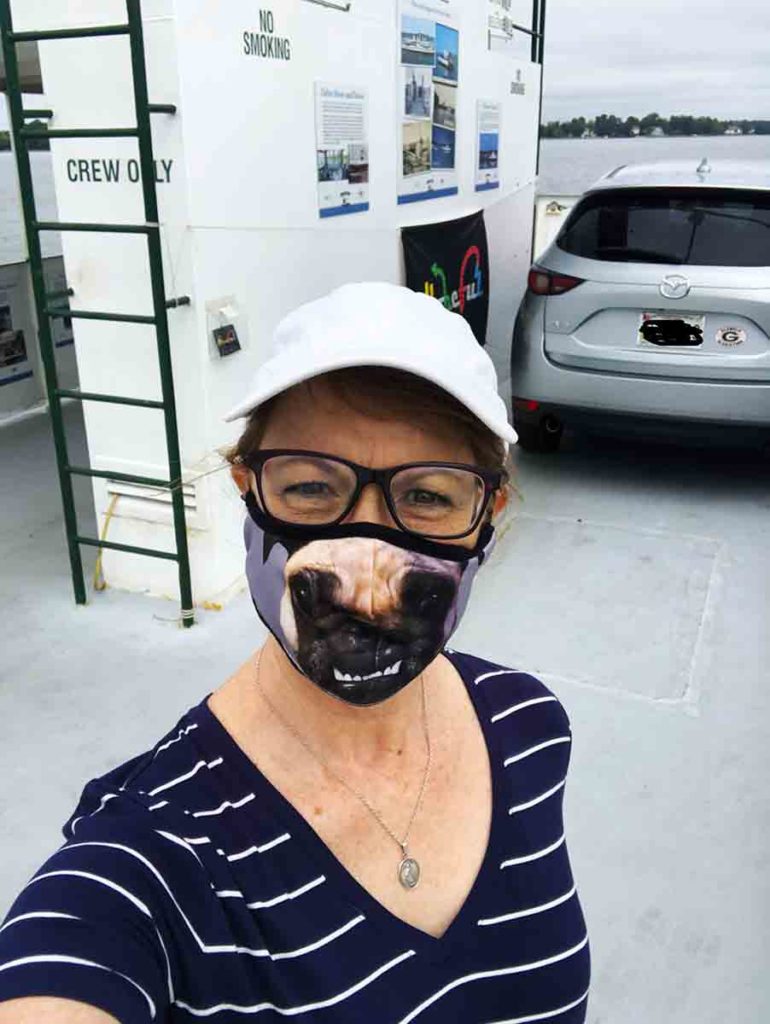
(319, 594)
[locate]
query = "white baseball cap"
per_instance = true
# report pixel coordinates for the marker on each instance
(374, 323)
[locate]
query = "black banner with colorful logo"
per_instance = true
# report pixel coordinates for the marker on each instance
(449, 261)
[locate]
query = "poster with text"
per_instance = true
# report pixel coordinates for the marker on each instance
(342, 149)
(449, 261)
(487, 145)
(429, 48)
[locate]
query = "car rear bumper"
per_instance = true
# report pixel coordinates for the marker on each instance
(588, 393)
(654, 426)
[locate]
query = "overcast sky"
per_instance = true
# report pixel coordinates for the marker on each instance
(637, 56)
(669, 56)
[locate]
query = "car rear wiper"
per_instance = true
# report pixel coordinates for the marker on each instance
(629, 252)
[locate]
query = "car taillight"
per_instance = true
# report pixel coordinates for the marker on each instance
(546, 282)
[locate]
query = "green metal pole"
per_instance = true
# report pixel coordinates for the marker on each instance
(535, 22)
(147, 163)
(39, 292)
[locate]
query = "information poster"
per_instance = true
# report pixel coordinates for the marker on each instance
(14, 361)
(487, 145)
(429, 45)
(342, 149)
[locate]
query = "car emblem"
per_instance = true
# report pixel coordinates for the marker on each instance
(674, 286)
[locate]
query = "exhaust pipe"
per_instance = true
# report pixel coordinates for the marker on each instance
(551, 424)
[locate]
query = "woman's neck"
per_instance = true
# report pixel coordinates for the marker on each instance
(339, 733)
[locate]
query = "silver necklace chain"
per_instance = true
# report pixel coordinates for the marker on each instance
(409, 869)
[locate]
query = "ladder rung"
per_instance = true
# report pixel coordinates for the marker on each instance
(180, 300)
(59, 312)
(125, 478)
(45, 114)
(92, 396)
(79, 133)
(55, 225)
(69, 33)
(162, 108)
(63, 293)
(94, 542)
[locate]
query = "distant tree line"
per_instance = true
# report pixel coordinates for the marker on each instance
(609, 126)
(5, 138)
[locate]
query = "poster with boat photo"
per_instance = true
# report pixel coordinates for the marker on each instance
(342, 149)
(429, 47)
(13, 347)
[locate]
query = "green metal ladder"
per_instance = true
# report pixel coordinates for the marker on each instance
(49, 305)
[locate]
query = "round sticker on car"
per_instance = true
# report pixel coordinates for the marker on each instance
(731, 336)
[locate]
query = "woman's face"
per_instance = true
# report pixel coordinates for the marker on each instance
(360, 616)
(319, 419)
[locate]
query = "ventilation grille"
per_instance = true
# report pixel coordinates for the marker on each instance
(153, 497)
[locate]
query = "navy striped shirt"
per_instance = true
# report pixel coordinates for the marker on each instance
(189, 888)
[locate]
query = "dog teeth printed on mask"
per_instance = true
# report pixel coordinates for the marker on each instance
(343, 677)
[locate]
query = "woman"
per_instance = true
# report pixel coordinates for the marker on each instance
(359, 825)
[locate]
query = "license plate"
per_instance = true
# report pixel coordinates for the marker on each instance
(670, 330)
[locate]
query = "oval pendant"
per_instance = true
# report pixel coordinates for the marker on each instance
(409, 873)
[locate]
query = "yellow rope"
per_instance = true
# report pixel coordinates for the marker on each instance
(99, 581)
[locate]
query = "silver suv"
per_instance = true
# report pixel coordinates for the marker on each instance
(650, 312)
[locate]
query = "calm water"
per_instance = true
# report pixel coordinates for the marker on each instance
(569, 166)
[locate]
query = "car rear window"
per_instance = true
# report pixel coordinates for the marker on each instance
(707, 227)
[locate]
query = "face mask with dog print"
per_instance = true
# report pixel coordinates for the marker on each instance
(361, 609)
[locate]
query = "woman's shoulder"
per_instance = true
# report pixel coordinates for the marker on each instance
(505, 691)
(163, 778)
(92, 922)
(152, 826)
(186, 789)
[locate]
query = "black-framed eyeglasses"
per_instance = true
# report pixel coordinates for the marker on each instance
(436, 500)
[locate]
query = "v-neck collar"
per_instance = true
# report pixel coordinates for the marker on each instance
(480, 897)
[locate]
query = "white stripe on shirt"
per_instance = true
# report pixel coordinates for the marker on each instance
(58, 958)
(104, 800)
(93, 878)
(290, 954)
(203, 946)
(537, 799)
(38, 913)
(223, 806)
(543, 1016)
(258, 849)
(292, 1011)
(182, 732)
(497, 672)
(534, 856)
(187, 775)
(518, 707)
(530, 911)
(179, 842)
(264, 904)
(534, 750)
(499, 973)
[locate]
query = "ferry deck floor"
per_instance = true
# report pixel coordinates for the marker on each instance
(634, 580)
